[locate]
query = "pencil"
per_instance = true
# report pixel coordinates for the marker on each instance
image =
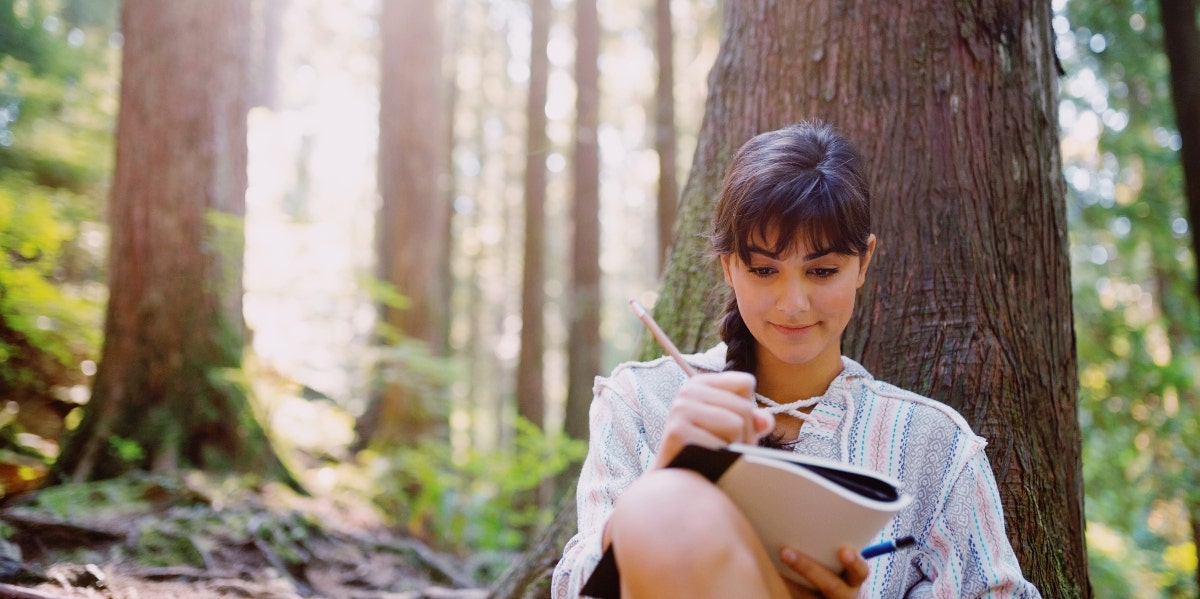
(661, 338)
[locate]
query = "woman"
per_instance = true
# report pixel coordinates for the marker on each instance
(793, 234)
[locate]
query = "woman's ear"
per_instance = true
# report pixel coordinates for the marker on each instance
(864, 261)
(725, 268)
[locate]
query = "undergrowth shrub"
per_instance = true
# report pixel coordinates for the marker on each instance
(476, 500)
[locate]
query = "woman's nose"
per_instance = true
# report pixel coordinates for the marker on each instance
(793, 297)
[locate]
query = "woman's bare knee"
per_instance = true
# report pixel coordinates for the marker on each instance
(670, 508)
(675, 528)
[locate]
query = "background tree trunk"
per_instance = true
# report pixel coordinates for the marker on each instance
(583, 307)
(266, 40)
(530, 388)
(411, 233)
(969, 299)
(1181, 38)
(1181, 41)
(664, 128)
(165, 394)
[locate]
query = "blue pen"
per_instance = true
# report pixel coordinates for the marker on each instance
(887, 547)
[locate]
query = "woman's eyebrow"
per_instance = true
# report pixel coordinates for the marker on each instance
(754, 249)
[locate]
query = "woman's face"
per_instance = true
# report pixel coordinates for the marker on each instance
(796, 305)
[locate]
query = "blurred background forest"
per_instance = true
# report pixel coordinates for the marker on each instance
(410, 396)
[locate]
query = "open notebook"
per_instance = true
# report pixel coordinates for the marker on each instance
(812, 504)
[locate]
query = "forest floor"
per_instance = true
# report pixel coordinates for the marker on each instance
(192, 536)
(145, 536)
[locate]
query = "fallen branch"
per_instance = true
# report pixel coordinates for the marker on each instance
(8, 591)
(49, 529)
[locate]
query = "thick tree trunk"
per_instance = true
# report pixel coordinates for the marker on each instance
(530, 389)
(969, 299)
(163, 396)
(411, 230)
(1181, 38)
(664, 128)
(583, 304)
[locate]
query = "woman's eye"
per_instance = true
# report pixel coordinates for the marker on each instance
(761, 271)
(824, 273)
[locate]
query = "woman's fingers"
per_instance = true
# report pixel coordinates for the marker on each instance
(730, 424)
(856, 567)
(713, 410)
(826, 581)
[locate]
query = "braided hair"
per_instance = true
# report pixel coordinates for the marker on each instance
(805, 184)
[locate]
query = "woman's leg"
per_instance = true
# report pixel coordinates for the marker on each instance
(675, 534)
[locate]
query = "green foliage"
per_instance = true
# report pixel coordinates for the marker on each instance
(126, 450)
(56, 320)
(57, 106)
(409, 363)
(473, 500)
(1137, 319)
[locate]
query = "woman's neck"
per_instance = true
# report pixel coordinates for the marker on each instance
(785, 383)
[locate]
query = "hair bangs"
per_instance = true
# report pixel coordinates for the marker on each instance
(805, 211)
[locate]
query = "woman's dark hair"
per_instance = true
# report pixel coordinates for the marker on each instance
(802, 184)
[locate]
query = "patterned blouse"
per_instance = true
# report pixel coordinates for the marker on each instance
(955, 515)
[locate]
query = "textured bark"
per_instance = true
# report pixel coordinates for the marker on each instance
(411, 231)
(174, 317)
(664, 128)
(530, 389)
(1181, 38)
(583, 305)
(969, 300)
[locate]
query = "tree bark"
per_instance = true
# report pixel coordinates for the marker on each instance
(969, 298)
(164, 396)
(664, 129)
(1181, 41)
(411, 228)
(583, 306)
(530, 372)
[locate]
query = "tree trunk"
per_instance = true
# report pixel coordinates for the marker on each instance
(1181, 38)
(530, 389)
(664, 128)
(167, 394)
(1181, 41)
(266, 38)
(411, 232)
(969, 300)
(583, 304)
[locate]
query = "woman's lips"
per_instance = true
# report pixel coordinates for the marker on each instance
(792, 330)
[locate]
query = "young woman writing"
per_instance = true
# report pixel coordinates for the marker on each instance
(792, 230)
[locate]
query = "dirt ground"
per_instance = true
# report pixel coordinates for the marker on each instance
(153, 537)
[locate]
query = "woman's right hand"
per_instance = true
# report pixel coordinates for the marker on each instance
(713, 410)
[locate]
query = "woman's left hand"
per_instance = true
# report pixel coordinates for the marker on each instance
(828, 584)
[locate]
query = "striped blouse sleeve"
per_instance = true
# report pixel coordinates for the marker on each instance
(618, 452)
(966, 551)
